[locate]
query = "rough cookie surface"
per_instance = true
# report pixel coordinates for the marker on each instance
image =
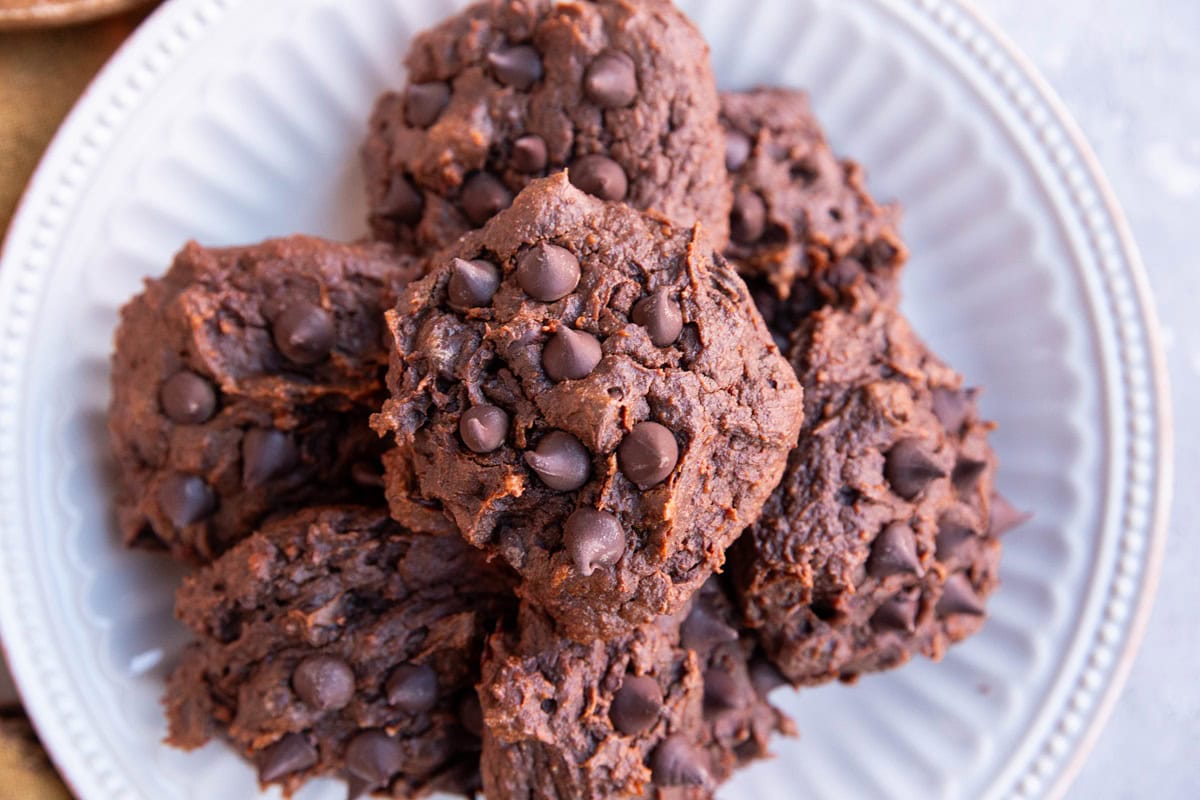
(589, 393)
(336, 642)
(668, 710)
(619, 92)
(881, 539)
(243, 382)
(804, 231)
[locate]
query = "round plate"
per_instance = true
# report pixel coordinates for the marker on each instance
(229, 121)
(47, 13)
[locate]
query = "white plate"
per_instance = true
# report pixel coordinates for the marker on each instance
(230, 120)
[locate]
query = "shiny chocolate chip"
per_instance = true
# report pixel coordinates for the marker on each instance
(959, 597)
(636, 705)
(561, 461)
(304, 333)
(472, 284)
(519, 67)
(529, 154)
(424, 103)
(483, 428)
(721, 690)
(952, 534)
(324, 683)
(292, 753)
(1004, 517)
(593, 539)
(894, 552)
(412, 688)
(909, 468)
(374, 757)
(898, 613)
(748, 220)
(185, 499)
(266, 454)
(548, 272)
(611, 80)
(677, 763)
(660, 316)
(702, 630)
(648, 454)
(966, 474)
(570, 355)
(187, 398)
(483, 197)
(599, 176)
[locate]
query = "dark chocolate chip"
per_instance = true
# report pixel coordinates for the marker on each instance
(483, 197)
(290, 754)
(737, 150)
(529, 154)
(952, 534)
(548, 272)
(570, 355)
(519, 67)
(402, 203)
(909, 468)
(1003, 517)
(748, 220)
(677, 763)
(660, 316)
(187, 398)
(702, 631)
(266, 454)
(324, 683)
(593, 539)
(304, 333)
(472, 284)
(185, 499)
(561, 461)
(470, 714)
(600, 176)
(412, 688)
(894, 552)
(966, 474)
(721, 690)
(636, 705)
(424, 102)
(764, 676)
(374, 757)
(611, 80)
(898, 613)
(952, 407)
(648, 454)
(959, 597)
(483, 428)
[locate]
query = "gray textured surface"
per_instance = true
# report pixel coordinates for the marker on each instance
(1129, 71)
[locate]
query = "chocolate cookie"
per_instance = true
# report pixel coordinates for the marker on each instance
(667, 710)
(243, 382)
(588, 393)
(881, 539)
(336, 642)
(804, 230)
(619, 92)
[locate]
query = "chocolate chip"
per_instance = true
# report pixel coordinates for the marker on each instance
(721, 690)
(472, 284)
(952, 407)
(519, 67)
(737, 150)
(374, 757)
(952, 534)
(561, 461)
(959, 597)
(676, 763)
(470, 714)
(185, 499)
(660, 316)
(894, 552)
(593, 539)
(529, 154)
(967, 472)
(748, 220)
(909, 468)
(290, 754)
(1003, 517)
(266, 454)
(765, 677)
(648, 454)
(548, 272)
(187, 398)
(483, 428)
(304, 333)
(483, 197)
(702, 630)
(424, 102)
(600, 176)
(636, 705)
(403, 202)
(324, 683)
(611, 80)
(898, 613)
(412, 688)
(570, 355)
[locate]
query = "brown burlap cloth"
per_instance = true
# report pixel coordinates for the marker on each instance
(42, 73)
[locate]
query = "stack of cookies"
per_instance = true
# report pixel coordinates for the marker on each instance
(612, 428)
